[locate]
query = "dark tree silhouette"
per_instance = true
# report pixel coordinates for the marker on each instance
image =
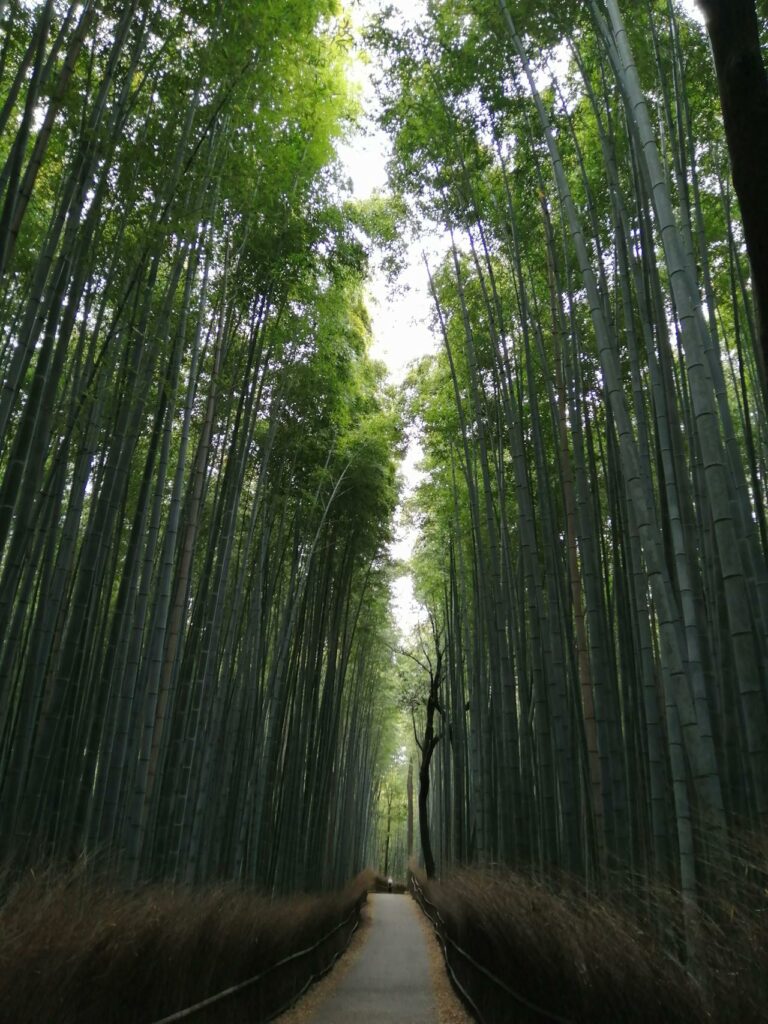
(735, 36)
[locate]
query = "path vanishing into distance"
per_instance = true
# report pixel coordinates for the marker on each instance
(391, 978)
(383, 482)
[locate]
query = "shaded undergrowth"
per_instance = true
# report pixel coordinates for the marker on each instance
(77, 951)
(591, 960)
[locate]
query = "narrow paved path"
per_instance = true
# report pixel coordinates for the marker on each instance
(389, 981)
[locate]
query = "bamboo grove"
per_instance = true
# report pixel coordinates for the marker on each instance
(197, 457)
(592, 516)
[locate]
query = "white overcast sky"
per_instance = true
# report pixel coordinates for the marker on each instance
(400, 334)
(399, 315)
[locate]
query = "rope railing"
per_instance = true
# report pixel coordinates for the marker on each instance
(226, 993)
(446, 942)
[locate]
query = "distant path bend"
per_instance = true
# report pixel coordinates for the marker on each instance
(390, 980)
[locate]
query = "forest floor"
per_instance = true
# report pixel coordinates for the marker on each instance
(392, 972)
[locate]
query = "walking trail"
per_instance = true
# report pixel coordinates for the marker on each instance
(393, 974)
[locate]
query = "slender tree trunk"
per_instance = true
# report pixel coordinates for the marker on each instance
(409, 793)
(427, 747)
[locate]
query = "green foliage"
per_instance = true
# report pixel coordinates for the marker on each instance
(203, 508)
(595, 389)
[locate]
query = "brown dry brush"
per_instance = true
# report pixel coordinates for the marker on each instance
(77, 951)
(735, 936)
(590, 960)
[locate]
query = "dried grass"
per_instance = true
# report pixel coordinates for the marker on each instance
(76, 950)
(593, 961)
